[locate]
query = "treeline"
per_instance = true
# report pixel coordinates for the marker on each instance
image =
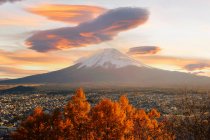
(107, 120)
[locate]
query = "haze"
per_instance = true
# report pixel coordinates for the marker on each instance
(167, 35)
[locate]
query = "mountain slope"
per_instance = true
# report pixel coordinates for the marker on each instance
(110, 67)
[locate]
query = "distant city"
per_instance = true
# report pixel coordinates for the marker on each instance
(17, 106)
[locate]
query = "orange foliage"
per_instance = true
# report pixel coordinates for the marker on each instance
(77, 112)
(107, 120)
(35, 126)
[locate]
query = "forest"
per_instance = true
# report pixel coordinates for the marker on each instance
(111, 120)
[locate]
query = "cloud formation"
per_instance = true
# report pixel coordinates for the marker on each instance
(198, 72)
(3, 1)
(68, 13)
(104, 28)
(21, 63)
(174, 63)
(28, 58)
(17, 72)
(162, 60)
(142, 50)
(196, 66)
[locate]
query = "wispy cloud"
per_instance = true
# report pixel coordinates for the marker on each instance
(166, 60)
(48, 61)
(180, 62)
(190, 65)
(196, 66)
(104, 28)
(32, 58)
(17, 72)
(198, 73)
(142, 50)
(68, 13)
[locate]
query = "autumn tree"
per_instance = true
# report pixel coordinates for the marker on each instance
(77, 111)
(107, 120)
(60, 128)
(36, 126)
(129, 112)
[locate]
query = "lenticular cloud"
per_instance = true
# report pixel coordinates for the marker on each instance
(103, 28)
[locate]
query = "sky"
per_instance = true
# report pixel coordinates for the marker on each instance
(39, 36)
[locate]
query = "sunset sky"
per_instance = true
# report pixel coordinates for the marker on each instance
(38, 36)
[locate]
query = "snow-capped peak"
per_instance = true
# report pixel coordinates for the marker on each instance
(109, 58)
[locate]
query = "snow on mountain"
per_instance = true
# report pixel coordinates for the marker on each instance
(110, 67)
(109, 58)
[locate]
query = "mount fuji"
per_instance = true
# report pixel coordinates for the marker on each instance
(111, 67)
(109, 58)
